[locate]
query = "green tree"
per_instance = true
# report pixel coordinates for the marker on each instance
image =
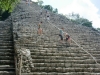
(7, 6)
(80, 20)
(40, 2)
(48, 7)
(98, 29)
(88, 24)
(55, 10)
(84, 22)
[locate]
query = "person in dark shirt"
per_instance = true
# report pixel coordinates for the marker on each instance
(61, 34)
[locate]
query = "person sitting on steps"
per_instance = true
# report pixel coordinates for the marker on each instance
(67, 39)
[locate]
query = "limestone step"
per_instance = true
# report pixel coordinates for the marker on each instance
(7, 69)
(88, 61)
(1, 41)
(8, 38)
(94, 53)
(56, 73)
(60, 57)
(6, 66)
(6, 58)
(7, 62)
(5, 35)
(97, 55)
(74, 65)
(6, 53)
(57, 54)
(64, 70)
(60, 54)
(7, 73)
(6, 47)
(54, 50)
(5, 30)
(5, 44)
(6, 50)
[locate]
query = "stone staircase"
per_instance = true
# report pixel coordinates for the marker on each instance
(7, 64)
(49, 56)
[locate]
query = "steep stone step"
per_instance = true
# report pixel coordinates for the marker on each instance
(6, 66)
(75, 65)
(6, 41)
(60, 57)
(4, 30)
(88, 61)
(64, 70)
(56, 73)
(7, 44)
(7, 50)
(7, 73)
(59, 54)
(5, 47)
(6, 62)
(56, 50)
(5, 35)
(94, 51)
(6, 54)
(7, 69)
(6, 58)
(96, 55)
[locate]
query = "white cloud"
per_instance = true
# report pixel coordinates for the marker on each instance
(85, 8)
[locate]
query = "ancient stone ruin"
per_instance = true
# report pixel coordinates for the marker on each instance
(24, 52)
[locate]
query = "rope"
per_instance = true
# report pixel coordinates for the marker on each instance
(79, 46)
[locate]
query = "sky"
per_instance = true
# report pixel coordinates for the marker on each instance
(89, 9)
